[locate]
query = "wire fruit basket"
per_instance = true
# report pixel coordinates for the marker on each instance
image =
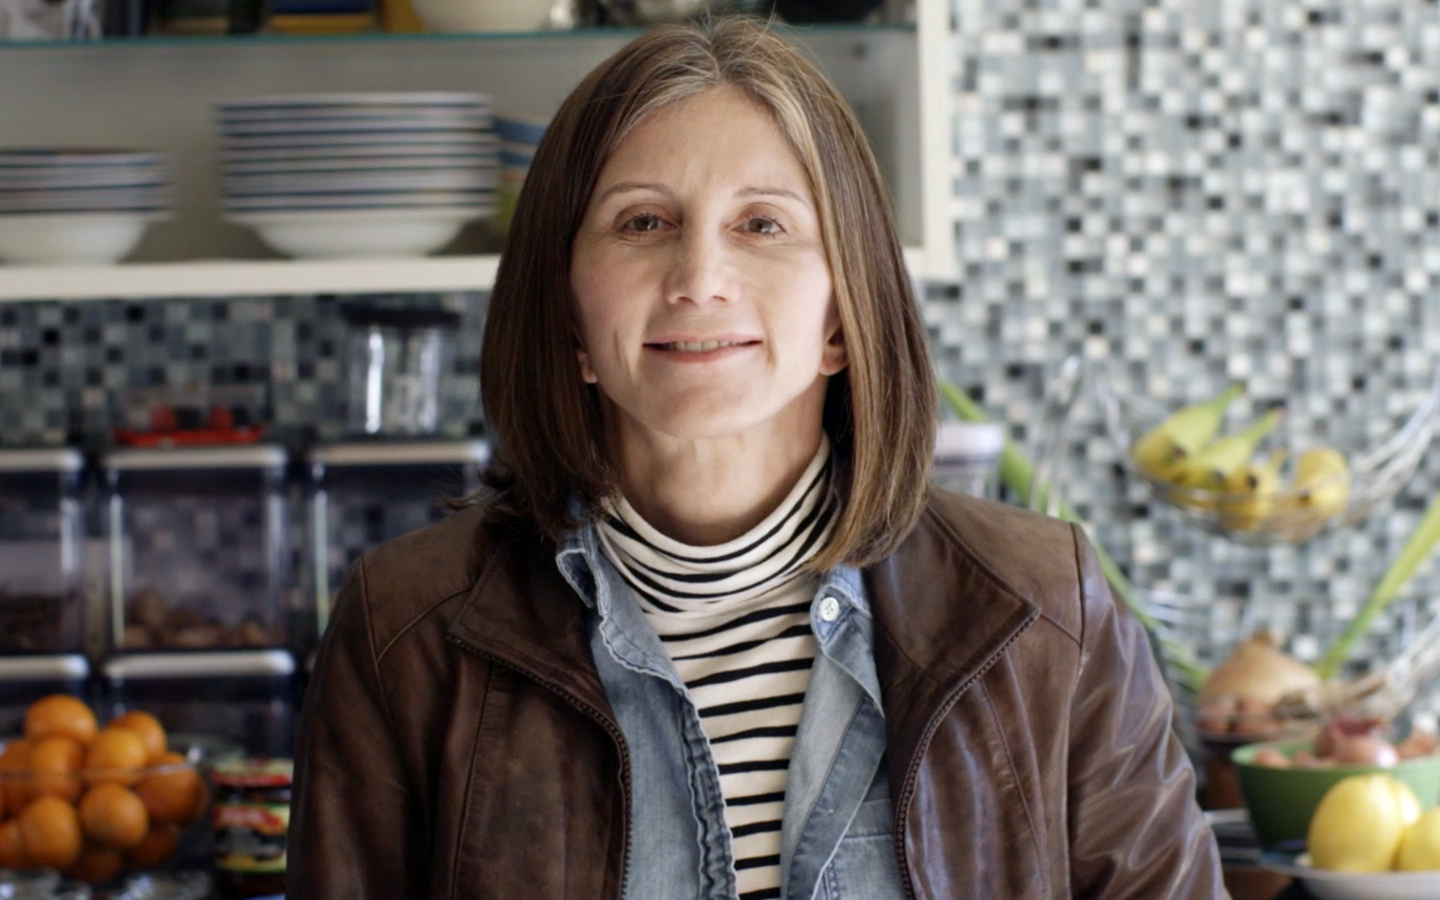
(1285, 515)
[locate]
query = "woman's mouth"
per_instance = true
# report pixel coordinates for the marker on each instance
(697, 346)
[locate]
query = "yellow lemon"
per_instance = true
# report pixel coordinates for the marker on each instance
(1358, 825)
(1420, 845)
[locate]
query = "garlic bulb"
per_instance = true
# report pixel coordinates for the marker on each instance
(1257, 672)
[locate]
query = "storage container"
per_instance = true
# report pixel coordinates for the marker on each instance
(198, 549)
(362, 494)
(967, 457)
(248, 696)
(25, 679)
(399, 368)
(41, 552)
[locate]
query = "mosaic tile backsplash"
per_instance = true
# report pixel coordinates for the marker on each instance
(1192, 192)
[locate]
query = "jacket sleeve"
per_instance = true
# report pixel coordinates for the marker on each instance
(353, 827)
(1136, 829)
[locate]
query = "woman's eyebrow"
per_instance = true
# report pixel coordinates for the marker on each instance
(625, 187)
(772, 192)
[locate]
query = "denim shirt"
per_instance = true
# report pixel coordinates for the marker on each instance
(836, 836)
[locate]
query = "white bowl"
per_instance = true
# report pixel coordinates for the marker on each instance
(351, 100)
(76, 239)
(484, 145)
(306, 183)
(379, 142)
(360, 233)
(483, 15)
(366, 165)
(477, 202)
(1324, 884)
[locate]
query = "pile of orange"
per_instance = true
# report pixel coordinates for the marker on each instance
(91, 801)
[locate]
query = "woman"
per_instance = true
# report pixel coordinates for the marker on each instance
(711, 634)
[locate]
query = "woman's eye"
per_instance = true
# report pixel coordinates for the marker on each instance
(643, 222)
(762, 225)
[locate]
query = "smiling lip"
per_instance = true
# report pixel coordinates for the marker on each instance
(689, 346)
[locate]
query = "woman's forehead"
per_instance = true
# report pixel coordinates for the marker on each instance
(719, 132)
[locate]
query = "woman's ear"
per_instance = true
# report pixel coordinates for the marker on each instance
(587, 371)
(835, 356)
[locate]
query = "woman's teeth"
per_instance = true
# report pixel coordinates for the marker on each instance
(697, 346)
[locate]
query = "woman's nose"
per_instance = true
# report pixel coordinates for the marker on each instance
(701, 270)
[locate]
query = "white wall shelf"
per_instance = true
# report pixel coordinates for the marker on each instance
(263, 277)
(249, 277)
(157, 93)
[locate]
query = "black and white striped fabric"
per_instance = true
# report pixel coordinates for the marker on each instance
(736, 621)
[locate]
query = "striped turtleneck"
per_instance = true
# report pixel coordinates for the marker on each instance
(735, 619)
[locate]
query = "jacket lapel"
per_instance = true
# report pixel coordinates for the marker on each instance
(942, 620)
(522, 614)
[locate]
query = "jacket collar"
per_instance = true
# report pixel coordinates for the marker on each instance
(522, 614)
(942, 618)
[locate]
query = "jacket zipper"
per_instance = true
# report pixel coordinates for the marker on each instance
(600, 719)
(907, 788)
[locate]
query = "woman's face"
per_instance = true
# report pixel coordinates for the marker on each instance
(703, 291)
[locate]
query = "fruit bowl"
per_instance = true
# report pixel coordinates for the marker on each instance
(98, 802)
(1282, 800)
(94, 824)
(1324, 884)
(1283, 514)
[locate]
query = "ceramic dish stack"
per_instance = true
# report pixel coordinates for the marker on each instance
(358, 175)
(519, 136)
(78, 206)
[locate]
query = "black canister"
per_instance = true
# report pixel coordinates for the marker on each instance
(250, 818)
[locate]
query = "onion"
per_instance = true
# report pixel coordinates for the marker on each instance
(1256, 672)
(1365, 750)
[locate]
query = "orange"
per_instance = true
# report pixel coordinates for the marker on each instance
(60, 714)
(12, 855)
(157, 847)
(14, 782)
(50, 833)
(114, 816)
(169, 796)
(149, 729)
(96, 864)
(53, 763)
(114, 751)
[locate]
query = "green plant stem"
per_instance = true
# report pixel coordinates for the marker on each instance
(1018, 474)
(1416, 550)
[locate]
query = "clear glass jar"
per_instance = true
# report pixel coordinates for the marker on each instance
(198, 548)
(41, 567)
(362, 494)
(967, 458)
(245, 696)
(399, 365)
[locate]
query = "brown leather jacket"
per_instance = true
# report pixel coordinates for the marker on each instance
(456, 741)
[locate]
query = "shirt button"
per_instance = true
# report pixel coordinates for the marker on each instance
(829, 609)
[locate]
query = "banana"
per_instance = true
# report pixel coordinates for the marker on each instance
(1249, 496)
(1322, 482)
(1162, 449)
(1210, 468)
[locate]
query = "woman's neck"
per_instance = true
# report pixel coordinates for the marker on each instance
(706, 492)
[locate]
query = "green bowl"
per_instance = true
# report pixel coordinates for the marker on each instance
(1281, 801)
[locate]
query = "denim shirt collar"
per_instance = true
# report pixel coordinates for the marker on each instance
(579, 549)
(581, 561)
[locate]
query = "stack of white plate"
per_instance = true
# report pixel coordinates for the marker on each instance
(351, 175)
(519, 138)
(78, 206)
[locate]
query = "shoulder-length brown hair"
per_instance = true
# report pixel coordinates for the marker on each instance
(545, 421)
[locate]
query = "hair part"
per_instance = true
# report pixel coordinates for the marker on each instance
(880, 412)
